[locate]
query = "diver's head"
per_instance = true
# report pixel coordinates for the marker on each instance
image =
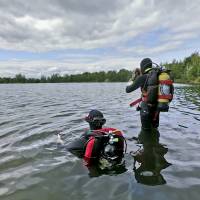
(95, 119)
(145, 65)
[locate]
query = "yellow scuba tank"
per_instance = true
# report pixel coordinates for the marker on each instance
(165, 91)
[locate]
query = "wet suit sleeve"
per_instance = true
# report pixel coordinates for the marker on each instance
(137, 83)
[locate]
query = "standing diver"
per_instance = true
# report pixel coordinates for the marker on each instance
(98, 142)
(157, 91)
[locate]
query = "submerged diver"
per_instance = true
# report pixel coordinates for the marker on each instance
(98, 144)
(157, 91)
(149, 161)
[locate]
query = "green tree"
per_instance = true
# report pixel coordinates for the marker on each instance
(19, 78)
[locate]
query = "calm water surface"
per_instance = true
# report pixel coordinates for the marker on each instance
(33, 165)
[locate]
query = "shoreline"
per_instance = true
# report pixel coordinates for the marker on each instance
(179, 82)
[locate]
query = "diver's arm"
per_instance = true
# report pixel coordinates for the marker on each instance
(138, 82)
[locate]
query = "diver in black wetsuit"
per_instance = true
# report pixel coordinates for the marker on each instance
(97, 142)
(148, 113)
(96, 120)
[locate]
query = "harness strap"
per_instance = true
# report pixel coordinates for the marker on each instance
(155, 115)
(88, 151)
(169, 96)
(166, 82)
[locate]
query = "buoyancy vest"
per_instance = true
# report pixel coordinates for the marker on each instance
(159, 89)
(97, 142)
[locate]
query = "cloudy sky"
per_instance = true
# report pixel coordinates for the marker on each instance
(43, 37)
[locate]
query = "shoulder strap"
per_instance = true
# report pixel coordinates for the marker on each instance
(146, 81)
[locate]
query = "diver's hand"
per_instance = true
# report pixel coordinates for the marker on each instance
(136, 73)
(59, 139)
(130, 82)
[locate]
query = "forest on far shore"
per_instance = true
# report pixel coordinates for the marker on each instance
(184, 71)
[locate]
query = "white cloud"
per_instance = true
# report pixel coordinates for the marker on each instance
(47, 25)
(39, 24)
(88, 24)
(67, 66)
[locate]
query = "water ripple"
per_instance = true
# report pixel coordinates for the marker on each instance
(34, 166)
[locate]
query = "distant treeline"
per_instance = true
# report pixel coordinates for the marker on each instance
(111, 76)
(185, 71)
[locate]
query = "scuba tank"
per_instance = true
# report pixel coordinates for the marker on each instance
(159, 88)
(165, 90)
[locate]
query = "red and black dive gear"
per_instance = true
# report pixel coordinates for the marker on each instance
(98, 142)
(157, 90)
(105, 143)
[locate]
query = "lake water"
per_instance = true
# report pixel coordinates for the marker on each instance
(33, 165)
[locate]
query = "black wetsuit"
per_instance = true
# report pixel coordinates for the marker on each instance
(78, 146)
(148, 114)
(138, 82)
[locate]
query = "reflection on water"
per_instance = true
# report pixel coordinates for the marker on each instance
(98, 170)
(149, 159)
